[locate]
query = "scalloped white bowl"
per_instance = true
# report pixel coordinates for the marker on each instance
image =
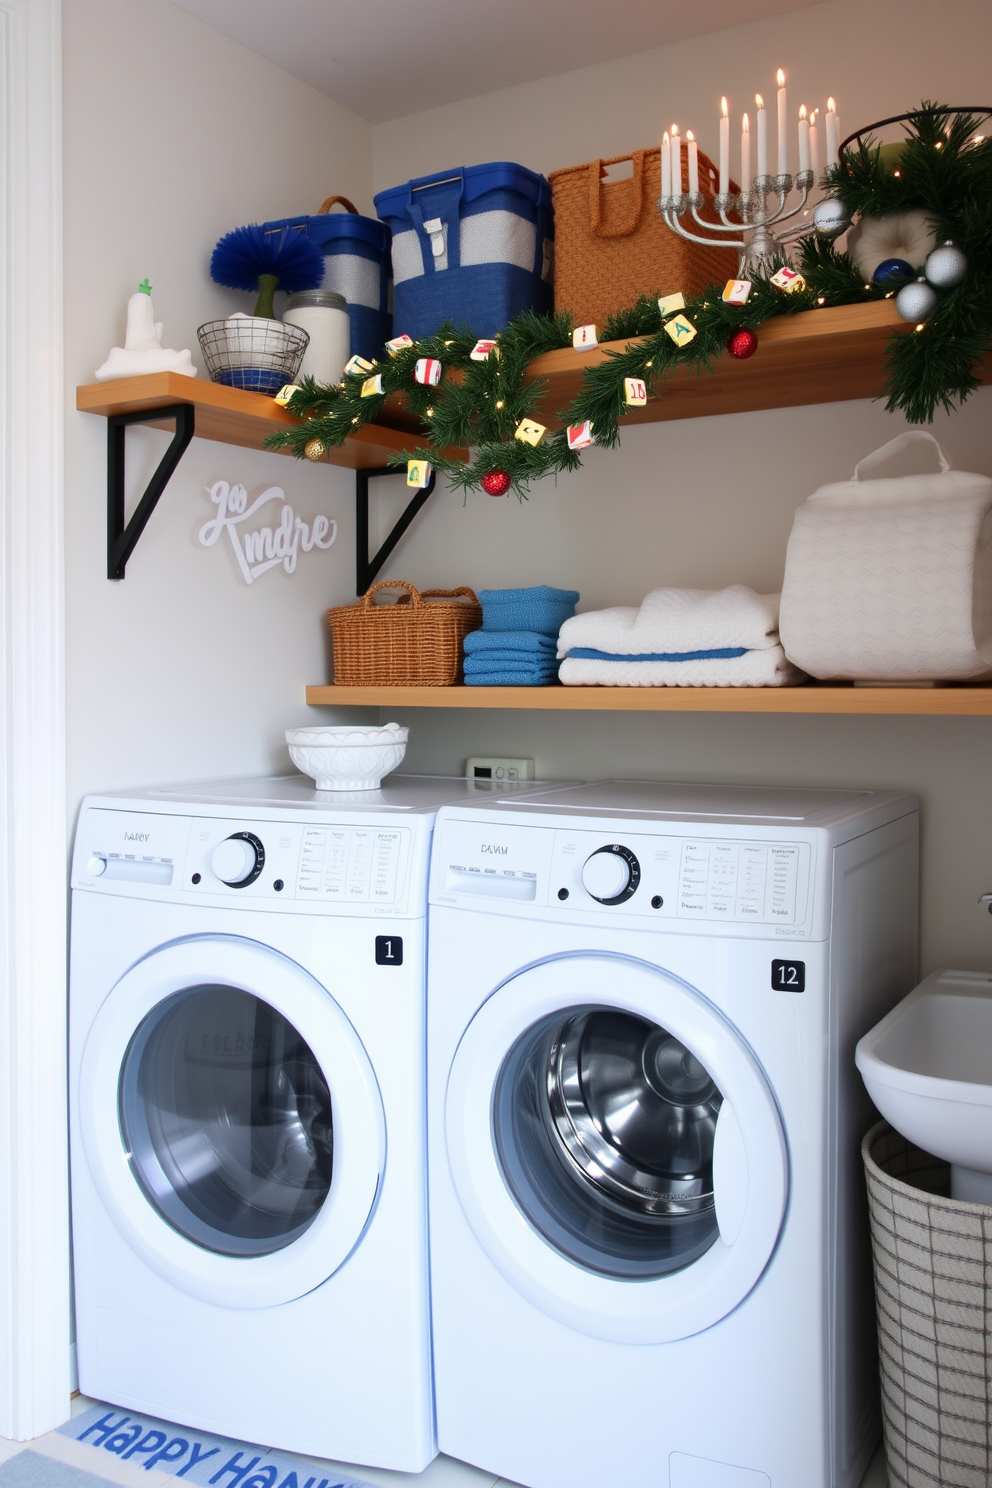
(346, 758)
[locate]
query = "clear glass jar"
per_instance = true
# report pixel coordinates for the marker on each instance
(323, 314)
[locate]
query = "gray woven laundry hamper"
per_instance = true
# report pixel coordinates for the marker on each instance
(933, 1288)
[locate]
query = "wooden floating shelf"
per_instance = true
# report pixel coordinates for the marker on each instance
(233, 416)
(818, 356)
(954, 701)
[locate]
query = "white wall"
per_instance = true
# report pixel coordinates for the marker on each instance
(710, 501)
(174, 135)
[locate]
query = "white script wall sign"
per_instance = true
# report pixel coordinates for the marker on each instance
(266, 547)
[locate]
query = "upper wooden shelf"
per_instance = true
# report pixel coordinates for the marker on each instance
(818, 356)
(956, 701)
(232, 415)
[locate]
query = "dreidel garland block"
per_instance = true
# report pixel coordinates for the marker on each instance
(487, 392)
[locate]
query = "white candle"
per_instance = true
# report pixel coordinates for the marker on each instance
(803, 139)
(724, 147)
(783, 127)
(693, 162)
(666, 165)
(762, 123)
(745, 156)
(814, 146)
(676, 161)
(833, 134)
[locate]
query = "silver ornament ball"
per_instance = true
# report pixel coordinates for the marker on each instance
(946, 266)
(915, 302)
(831, 217)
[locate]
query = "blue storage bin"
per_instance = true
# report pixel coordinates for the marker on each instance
(473, 245)
(356, 265)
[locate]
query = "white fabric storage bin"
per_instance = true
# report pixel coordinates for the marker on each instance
(890, 579)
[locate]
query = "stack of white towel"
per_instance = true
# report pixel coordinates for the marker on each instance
(679, 638)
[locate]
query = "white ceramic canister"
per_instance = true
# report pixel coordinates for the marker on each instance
(323, 314)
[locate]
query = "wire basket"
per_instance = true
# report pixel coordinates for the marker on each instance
(416, 642)
(252, 352)
(933, 1259)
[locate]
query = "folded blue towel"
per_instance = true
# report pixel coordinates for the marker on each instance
(724, 653)
(509, 661)
(513, 677)
(526, 642)
(540, 608)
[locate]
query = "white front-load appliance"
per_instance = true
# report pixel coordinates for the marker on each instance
(248, 1111)
(649, 1243)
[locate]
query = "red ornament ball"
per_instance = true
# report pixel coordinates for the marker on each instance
(496, 483)
(742, 343)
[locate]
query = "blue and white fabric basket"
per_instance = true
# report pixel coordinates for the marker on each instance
(473, 245)
(356, 265)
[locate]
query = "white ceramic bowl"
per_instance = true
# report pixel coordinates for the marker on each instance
(346, 758)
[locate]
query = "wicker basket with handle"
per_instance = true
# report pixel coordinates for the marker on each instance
(416, 642)
(611, 244)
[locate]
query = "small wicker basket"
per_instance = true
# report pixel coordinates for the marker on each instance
(416, 642)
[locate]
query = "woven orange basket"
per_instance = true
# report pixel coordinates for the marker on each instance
(611, 244)
(416, 642)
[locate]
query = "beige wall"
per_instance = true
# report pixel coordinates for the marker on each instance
(710, 501)
(174, 135)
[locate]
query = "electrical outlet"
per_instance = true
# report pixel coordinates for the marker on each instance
(479, 768)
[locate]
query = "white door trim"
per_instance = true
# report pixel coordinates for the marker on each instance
(34, 1233)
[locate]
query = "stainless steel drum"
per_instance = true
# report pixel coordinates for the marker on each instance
(634, 1112)
(604, 1125)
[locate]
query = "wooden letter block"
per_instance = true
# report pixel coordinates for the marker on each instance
(736, 291)
(580, 435)
(584, 338)
(635, 392)
(682, 331)
(530, 432)
(668, 304)
(418, 473)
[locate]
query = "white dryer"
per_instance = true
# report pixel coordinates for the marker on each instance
(649, 1243)
(247, 1111)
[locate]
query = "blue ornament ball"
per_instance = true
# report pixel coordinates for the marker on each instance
(892, 268)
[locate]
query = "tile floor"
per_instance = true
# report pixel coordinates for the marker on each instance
(444, 1472)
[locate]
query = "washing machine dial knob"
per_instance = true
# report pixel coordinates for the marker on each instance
(611, 874)
(238, 860)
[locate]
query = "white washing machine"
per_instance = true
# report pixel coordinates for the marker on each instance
(649, 1243)
(247, 1111)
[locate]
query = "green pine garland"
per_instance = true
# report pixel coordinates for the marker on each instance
(480, 404)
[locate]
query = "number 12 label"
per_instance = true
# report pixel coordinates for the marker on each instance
(789, 976)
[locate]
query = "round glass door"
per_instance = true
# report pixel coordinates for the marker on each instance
(604, 1125)
(231, 1121)
(226, 1118)
(615, 1147)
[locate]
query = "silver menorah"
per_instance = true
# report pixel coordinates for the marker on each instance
(759, 246)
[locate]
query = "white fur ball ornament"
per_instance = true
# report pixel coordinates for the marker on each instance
(916, 302)
(906, 235)
(831, 217)
(946, 266)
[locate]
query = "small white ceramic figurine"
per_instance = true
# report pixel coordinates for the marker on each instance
(143, 350)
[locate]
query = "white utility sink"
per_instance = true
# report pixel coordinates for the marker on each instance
(928, 1068)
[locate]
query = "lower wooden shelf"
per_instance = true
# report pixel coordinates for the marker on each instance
(953, 701)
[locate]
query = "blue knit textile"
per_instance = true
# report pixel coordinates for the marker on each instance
(509, 669)
(528, 642)
(723, 653)
(514, 677)
(540, 608)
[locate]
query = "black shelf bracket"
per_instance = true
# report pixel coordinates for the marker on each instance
(366, 568)
(122, 537)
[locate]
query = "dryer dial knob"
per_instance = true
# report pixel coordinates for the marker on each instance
(238, 860)
(612, 874)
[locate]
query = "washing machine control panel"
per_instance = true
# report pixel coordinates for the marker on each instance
(666, 876)
(283, 863)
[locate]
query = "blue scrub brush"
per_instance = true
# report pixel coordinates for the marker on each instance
(249, 258)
